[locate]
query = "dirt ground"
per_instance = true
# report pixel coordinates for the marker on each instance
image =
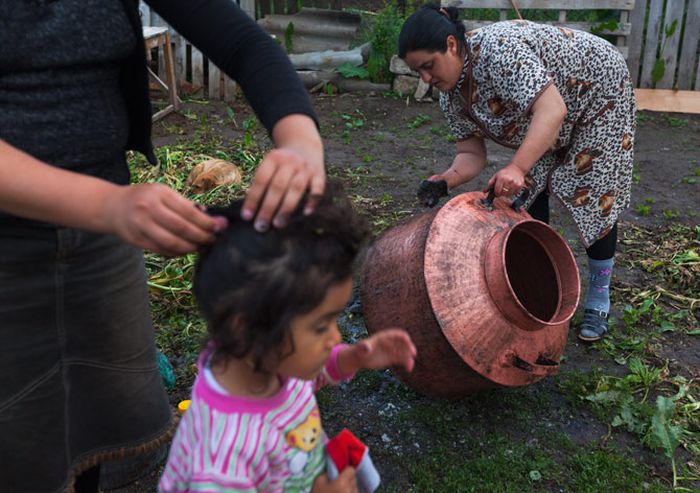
(381, 147)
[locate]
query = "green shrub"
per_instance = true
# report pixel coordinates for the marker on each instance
(382, 32)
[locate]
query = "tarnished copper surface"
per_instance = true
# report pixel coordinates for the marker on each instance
(486, 295)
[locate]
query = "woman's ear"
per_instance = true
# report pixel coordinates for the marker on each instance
(452, 45)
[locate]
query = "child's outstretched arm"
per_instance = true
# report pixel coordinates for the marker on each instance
(390, 347)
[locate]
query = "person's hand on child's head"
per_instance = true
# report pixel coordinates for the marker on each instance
(346, 482)
(285, 173)
(391, 347)
(156, 217)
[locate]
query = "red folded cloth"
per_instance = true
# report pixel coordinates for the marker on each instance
(344, 450)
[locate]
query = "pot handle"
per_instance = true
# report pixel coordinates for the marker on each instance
(542, 367)
(517, 204)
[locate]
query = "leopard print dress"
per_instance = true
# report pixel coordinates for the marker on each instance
(508, 66)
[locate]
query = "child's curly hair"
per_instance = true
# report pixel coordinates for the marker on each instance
(249, 285)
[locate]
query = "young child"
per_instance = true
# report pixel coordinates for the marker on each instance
(271, 301)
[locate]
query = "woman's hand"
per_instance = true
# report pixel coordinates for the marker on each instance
(507, 182)
(390, 347)
(430, 191)
(157, 218)
(286, 173)
(346, 482)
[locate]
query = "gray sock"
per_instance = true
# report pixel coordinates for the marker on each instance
(599, 273)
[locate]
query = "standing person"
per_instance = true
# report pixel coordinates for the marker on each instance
(562, 98)
(271, 302)
(79, 379)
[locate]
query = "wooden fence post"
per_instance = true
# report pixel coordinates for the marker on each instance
(689, 53)
(635, 40)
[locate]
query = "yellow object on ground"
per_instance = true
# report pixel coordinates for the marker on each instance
(183, 405)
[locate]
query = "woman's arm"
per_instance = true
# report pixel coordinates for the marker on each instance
(548, 114)
(468, 163)
(151, 216)
(242, 49)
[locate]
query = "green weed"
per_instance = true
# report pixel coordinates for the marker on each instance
(643, 210)
(418, 121)
(670, 214)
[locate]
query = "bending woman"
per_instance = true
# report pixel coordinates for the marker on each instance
(562, 98)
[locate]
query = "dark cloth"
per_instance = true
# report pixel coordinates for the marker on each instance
(89, 481)
(60, 93)
(78, 371)
(601, 249)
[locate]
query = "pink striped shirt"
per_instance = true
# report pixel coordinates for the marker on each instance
(234, 444)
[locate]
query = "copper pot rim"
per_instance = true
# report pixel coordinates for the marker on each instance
(449, 299)
(548, 240)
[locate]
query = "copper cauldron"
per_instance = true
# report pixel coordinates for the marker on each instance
(485, 291)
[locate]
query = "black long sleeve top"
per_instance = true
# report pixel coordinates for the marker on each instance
(236, 44)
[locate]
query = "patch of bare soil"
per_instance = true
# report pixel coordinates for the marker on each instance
(381, 147)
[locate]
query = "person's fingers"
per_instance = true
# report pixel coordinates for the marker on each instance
(263, 176)
(161, 240)
(350, 478)
(189, 222)
(316, 189)
(294, 190)
(274, 195)
(364, 347)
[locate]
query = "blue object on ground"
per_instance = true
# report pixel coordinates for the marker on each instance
(166, 370)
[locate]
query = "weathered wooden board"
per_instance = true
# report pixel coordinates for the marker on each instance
(670, 44)
(542, 4)
(689, 51)
(651, 44)
(668, 100)
(634, 41)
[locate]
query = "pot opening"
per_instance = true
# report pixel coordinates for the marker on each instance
(531, 274)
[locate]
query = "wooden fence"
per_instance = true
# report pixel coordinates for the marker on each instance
(658, 37)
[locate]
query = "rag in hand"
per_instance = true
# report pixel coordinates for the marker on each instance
(344, 450)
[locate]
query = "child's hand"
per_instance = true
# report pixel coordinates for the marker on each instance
(391, 347)
(344, 483)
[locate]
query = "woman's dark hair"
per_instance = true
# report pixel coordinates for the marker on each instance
(428, 29)
(249, 285)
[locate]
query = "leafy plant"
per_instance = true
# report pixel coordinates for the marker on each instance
(670, 213)
(418, 121)
(659, 69)
(289, 38)
(352, 121)
(675, 122)
(231, 116)
(609, 25)
(636, 177)
(329, 89)
(665, 434)
(643, 210)
(249, 125)
(349, 71)
(383, 37)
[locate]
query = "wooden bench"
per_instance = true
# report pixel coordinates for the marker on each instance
(621, 31)
(155, 37)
